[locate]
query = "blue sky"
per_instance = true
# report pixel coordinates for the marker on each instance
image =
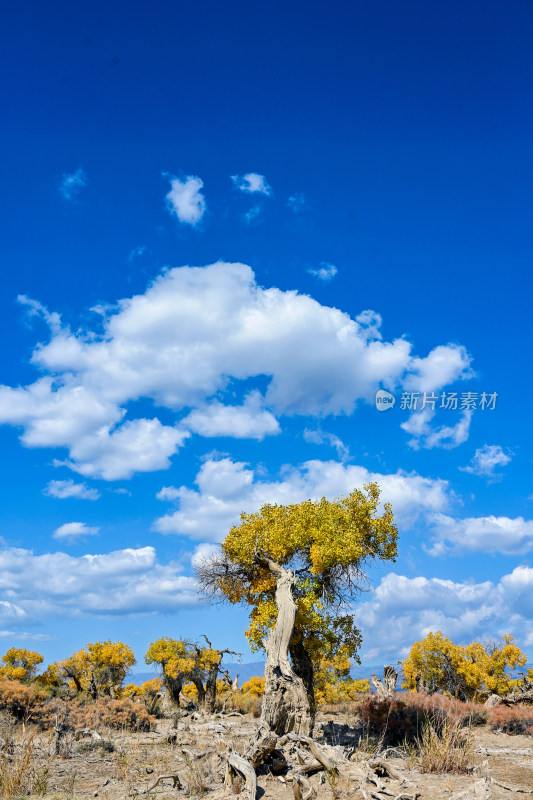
(224, 228)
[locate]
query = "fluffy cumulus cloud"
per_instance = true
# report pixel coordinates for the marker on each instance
(325, 272)
(185, 199)
(226, 487)
(401, 610)
(72, 183)
(64, 490)
(481, 535)
(186, 344)
(247, 421)
(444, 436)
(251, 183)
(131, 581)
(486, 460)
(71, 531)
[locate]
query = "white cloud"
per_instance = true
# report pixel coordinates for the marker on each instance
(251, 183)
(24, 636)
(486, 459)
(72, 183)
(297, 202)
(323, 437)
(464, 611)
(140, 445)
(185, 200)
(444, 365)
(193, 335)
(202, 552)
(71, 531)
(129, 581)
(447, 436)
(482, 535)
(325, 272)
(248, 421)
(226, 487)
(252, 214)
(67, 489)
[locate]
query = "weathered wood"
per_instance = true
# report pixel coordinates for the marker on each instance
(261, 747)
(285, 704)
(387, 686)
(172, 776)
(238, 764)
(320, 756)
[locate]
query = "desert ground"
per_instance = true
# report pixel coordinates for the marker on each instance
(123, 764)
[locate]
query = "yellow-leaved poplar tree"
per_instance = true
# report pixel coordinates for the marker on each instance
(183, 663)
(19, 664)
(99, 669)
(297, 566)
(471, 671)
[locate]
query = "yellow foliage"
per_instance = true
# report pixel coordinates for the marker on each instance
(176, 657)
(255, 686)
(132, 690)
(333, 683)
(151, 687)
(99, 669)
(52, 677)
(328, 543)
(179, 659)
(466, 671)
(20, 664)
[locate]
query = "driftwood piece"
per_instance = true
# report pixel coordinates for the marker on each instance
(237, 764)
(387, 686)
(300, 780)
(261, 747)
(521, 694)
(480, 790)
(172, 776)
(320, 756)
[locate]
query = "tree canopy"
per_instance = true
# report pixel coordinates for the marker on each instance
(326, 545)
(436, 664)
(98, 669)
(20, 664)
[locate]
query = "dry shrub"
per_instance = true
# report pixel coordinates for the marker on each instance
(402, 718)
(242, 702)
(512, 720)
(448, 749)
(121, 714)
(17, 776)
(33, 705)
(20, 700)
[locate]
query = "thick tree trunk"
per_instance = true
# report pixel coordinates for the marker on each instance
(200, 689)
(173, 687)
(211, 689)
(302, 666)
(285, 705)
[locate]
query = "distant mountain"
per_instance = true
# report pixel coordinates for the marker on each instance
(245, 671)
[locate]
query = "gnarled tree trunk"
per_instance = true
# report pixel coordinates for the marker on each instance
(302, 666)
(173, 687)
(286, 707)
